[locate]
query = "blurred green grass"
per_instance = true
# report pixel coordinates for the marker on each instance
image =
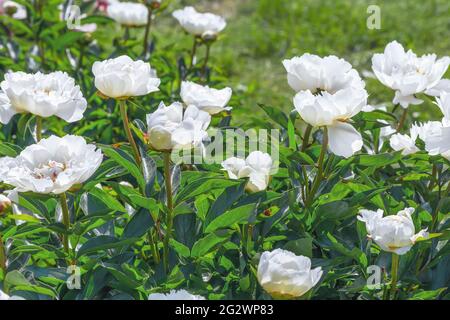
(261, 33)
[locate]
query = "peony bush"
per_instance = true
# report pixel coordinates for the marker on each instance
(125, 175)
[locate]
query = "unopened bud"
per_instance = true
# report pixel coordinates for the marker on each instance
(5, 203)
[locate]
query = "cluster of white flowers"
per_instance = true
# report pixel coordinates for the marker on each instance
(329, 93)
(435, 134)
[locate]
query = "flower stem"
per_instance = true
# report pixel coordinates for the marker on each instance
(38, 128)
(319, 175)
(147, 31)
(126, 126)
(169, 216)
(2, 256)
(153, 246)
(402, 120)
(306, 137)
(394, 274)
(193, 52)
(66, 220)
(205, 63)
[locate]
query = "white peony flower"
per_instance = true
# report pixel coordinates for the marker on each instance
(4, 296)
(53, 165)
(394, 233)
(198, 23)
(175, 295)
(129, 14)
(205, 98)
(13, 9)
(442, 86)
(41, 94)
(169, 128)
(5, 203)
(405, 143)
(317, 74)
(121, 78)
(330, 92)
(333, 110)
(257, 167)
(437, 139)
(285, 275)
(408, 74)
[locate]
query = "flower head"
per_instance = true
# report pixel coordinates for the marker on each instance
(53, 165)
(257, 167)
(41, 94)
(199, 24)
(13, 9)
(129, 14)
(121, 78)
(4, 296)
(406, 73)
(169, 128)
(5, 203)
(285, 275)
(394, 233)
(205, 98)
(175, 295)
(329, 93)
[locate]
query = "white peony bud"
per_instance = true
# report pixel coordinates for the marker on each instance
(121, 78)
(285, 275)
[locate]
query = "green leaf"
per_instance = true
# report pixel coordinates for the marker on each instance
(231, 217)
(103, 242)
(208, 243)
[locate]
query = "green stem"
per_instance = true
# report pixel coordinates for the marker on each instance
(402, 120)
(319, 176)
(66, 220)
(147, 31)
(394, 274)
(169, 216)
(205, 63)
(193, 52)
(2, 256)
(126, 126)
(306, 137)
(38, 128)
(154, 247)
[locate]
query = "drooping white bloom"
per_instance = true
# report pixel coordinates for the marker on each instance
(41, 94)
(175, 295)
(122, 77)
(437, 140)
(257, 167)
(4, 296)
(285, 275)
(129, 14)
(406, 73)
(169, 128)
(198, 23)
(330, 92)
(205, 98)
(394, 233)
(13, 9)
(53, 165)
(317, 74)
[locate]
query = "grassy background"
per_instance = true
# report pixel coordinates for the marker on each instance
(261, 33)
